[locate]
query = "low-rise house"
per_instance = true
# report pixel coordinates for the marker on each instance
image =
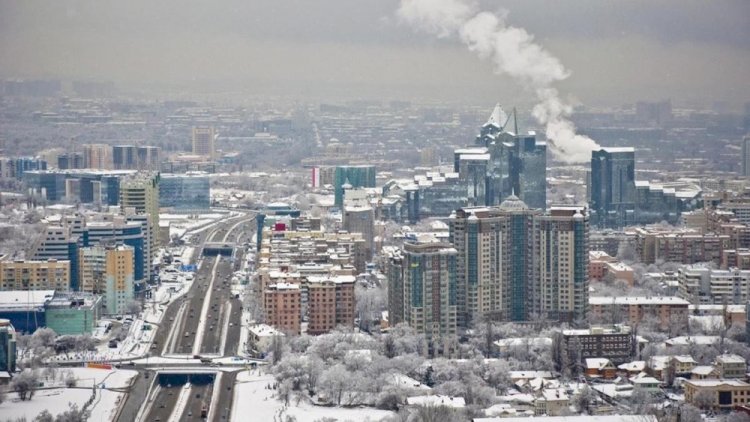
(731, 366)
(702, 372)
(261, 336)
(717, 394)
(683, 364)
(600, 368)
(616, 343)
(692, 340)
(657, 366)
(437, 400)
(530, 375)
(552, 402)
(632, 368)
(645, 383)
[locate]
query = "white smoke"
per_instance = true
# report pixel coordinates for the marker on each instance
(513, 52)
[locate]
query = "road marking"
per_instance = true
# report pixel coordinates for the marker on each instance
(204, 311)
(181, 404)
(225, 327)
(215, 396)
(176, 328)
(144, 411)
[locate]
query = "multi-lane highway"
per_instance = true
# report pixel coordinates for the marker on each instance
(206, 322)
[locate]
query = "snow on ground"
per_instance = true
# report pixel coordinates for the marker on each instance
(55, 400)
(183, 223)
(252, 398)
(115, 378)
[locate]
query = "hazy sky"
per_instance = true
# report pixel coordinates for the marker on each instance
(618, 51)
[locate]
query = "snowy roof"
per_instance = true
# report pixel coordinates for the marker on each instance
(637, 300)
(704, 370)
(25, 299)
(688, 340)
(618, 149)
(523, 341)
(598, 363)
(449, 401)
(645, 380)
(659, 363)
(497, 118)
(513, 203)
(515, 375)
(684, 359)
(638, 365)
(263, 330)
(716, 383)
(730, 359)
(554, 394)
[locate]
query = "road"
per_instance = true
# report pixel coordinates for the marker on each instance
(207, 322)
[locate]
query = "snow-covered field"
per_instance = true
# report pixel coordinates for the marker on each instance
(251, 397)
(55, 400)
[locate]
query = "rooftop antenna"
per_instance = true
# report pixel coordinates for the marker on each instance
(515, 121)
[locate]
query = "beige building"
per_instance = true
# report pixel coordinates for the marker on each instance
(92, 265)
(731, 366)
(35, 275)
(204, 139)
(632, 309)
(716, 394)
(97, 156)
(118, 279)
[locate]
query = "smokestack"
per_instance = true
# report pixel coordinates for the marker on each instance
(513, 52)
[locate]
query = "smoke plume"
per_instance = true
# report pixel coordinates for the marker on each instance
(513, 52)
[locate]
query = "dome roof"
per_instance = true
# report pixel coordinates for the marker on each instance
(513, 203)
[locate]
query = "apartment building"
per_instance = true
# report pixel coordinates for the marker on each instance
(35, 275)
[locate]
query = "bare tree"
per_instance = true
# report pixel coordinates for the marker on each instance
(690, 413)
(25, 384)
(704, 399)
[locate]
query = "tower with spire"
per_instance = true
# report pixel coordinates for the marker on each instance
(512, 163)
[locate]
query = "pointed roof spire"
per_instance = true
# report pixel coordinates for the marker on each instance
(497, 118)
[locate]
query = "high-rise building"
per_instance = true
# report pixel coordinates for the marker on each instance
(394, 272)
(92, 267)
(70, 160)
(35, 275)
(361, 219)
(346, 177)
(494, 271)
(514, 164)
(429, 288)
(124, 157)
(142, 193)
(282, 307)
(517, 264)
(746, 156)
(59, 243)
(16, 167)
(97, 156)
(561, 260)
(118, 279)
(330, 303)
(612, 193)
(7, 347)
(204, 139)
(185, 191)
(148, 157)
